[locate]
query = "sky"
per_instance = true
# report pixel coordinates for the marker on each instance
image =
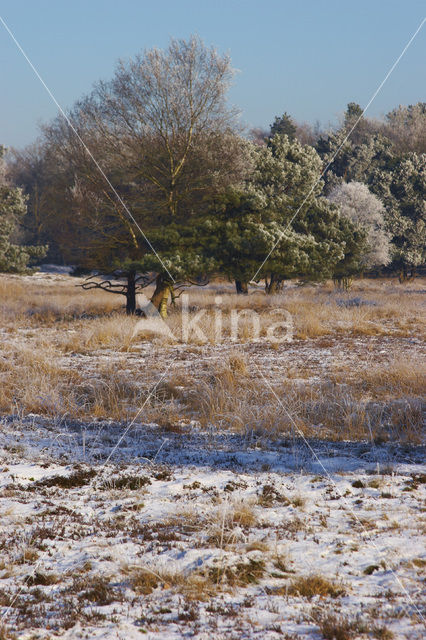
(306, 57)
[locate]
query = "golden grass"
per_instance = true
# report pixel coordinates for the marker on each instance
(30, 301)
(194, 585)
(398, 375)
(242, 574)
(371, 308)
(67, 351)
(230, 519)
(356, 409)
(33, 382)
(112, 332)
(315, 585)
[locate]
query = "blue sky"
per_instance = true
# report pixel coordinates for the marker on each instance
(307, 57)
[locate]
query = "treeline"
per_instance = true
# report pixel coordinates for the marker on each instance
(151, 178)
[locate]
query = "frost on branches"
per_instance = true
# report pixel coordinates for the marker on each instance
(366, 211)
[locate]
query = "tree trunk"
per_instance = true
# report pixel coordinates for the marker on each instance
(241, 287)
(405, 275)
(275, 284)
(343, 283)
(161, 295)
(131, 293)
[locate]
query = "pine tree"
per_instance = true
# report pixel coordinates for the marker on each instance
(283, 126)
(14, 257)
(277, 211)
(402, 190)
(398, 179)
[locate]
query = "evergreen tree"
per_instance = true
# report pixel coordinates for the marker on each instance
(352, 114)
(406, 127)
(397, 179)
(402, 190)
(14, 257)
(277, 211)
(308, 227)
(283, 126)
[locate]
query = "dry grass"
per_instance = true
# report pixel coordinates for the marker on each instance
(194, 586)
(34, 382)
(336, 627)
(240, 574)
(112, 332)
(66, 351)
(399, 375)
(315, 585)
(47, 301)
(143, 581)
(229, 521)
(6, 634)
(242, 515)
(28, 556)
(329, 409)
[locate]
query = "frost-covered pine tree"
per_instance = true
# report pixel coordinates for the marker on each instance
(365, 211)
(278, 220)
(14, 257)
(406, 127)
(402, 190)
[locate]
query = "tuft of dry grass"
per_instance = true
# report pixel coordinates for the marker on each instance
(240, 574)
(6, 634)
(271, 496)
(257, 545)
(143, 581)
(194, 585)
(80, 478)
(115, 332)
(315, 585)
(228, 523)
(28, 556)
(397, 376)
(95, 589)
(33, 381)
(242, 515)
(336, 627)
(43, 579)
(197, 587)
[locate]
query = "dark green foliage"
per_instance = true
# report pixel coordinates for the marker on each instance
(398, 178)
(14, 257)
(283, 125)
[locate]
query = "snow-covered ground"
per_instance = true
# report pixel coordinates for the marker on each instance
(109, 532)
(198, 509)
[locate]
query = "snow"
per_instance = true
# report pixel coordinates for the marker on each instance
(183, 521)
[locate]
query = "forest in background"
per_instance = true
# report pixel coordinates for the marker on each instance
(151, 179)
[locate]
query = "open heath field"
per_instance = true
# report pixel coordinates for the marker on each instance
(250, 467)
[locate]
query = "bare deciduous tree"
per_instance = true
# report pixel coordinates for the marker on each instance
(163, 134)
